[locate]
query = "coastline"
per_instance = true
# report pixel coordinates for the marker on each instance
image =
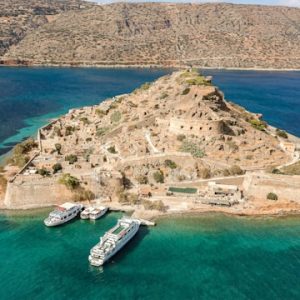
(156, 215)
(141, 66)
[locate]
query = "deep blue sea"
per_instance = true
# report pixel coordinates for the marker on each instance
(206, 257)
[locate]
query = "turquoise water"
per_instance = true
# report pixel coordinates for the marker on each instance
(208, 257)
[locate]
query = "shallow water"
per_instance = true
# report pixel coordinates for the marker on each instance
(205, 257)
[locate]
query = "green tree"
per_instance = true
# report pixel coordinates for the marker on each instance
(56, 167)
(72, 158)
(159, 176)
(69, 181)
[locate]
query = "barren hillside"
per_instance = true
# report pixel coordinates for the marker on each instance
(18, 17)
(211, 35)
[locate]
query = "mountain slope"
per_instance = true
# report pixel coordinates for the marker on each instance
(207, 35)
(18, 17)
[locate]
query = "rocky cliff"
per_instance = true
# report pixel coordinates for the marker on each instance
(17, 17)
(206, 35)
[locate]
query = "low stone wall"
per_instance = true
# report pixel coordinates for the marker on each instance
(35, 194)
(285, 187)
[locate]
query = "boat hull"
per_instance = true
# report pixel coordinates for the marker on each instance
(96, 262)
(95, 217)
(53, 223)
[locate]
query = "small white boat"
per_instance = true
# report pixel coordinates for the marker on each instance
(98, 212)
(85, 214)
(63, 213)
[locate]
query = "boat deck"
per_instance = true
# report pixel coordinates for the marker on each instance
(118, 230)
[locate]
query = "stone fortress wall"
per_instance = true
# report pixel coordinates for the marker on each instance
(186, 126)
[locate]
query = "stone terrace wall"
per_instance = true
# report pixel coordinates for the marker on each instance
(35, 194)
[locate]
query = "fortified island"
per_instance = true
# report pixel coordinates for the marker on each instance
(171, 146)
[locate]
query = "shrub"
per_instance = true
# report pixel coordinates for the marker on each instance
(204, 173)
(3, 182)
(72, 158)
(170, 163)
(236, 170)
(115, 117)
(57, 131)
(83, 194)
(19, 157)
(101, 113)
(232, 145)
(159, 176)
(154, 205)
(102, 131)
(190, 147)
(56, 167)
(164, 95)
(128, 198)
(185, 91)
(43, 172)
(142, 179)
(145, 86)
(281, 133)
(69, 130)
(112, 149)
(272, 196)
(58, 148)
(258, 124)
(180, 137)
(198, 80)
(85, 120)
(69, 181)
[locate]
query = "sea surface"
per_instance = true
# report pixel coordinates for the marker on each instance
(204, 257)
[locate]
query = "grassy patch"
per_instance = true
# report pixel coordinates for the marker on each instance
(190, 147)
(198, 80)
(102, 131)
(116, 116)
(281, 133)
(183, 190)
(69, 181)
(258, 124)
(19, 155)
(293, 169)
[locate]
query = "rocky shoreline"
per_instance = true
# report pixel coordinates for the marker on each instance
(138, 66)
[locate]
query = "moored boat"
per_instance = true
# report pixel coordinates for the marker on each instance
(113, 241)
(63, 213)
(85, 214)
(98, 212)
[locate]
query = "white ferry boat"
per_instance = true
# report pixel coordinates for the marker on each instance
(98, 212)
(113, 241)
(63, 213)
(85, 214)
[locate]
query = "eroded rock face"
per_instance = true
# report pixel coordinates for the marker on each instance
(207, 35)
(18, 17)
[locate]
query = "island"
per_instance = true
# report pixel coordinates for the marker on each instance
(171, 146)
